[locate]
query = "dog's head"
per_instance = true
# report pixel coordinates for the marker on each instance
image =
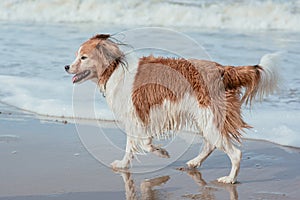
(93, 59)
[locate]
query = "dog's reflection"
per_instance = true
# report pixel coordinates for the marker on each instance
(207, 190)
(146, 186)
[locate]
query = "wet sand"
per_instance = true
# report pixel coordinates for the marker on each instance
(46, 159)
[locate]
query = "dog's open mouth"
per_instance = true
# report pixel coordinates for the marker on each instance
(80, 76)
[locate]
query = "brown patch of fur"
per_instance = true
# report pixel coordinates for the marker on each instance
(150, 95)
(158, 79)
(91, 44)
(88, 46)
(243, 76)
(234, 79)
(233, 124)
(188, 71)
(101, 36)
(104, 76)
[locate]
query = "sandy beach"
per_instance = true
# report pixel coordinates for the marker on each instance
(45, 159)
(57, 139)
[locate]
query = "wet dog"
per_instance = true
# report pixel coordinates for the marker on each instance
(154, 95)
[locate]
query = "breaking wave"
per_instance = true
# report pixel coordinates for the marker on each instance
(227, 14)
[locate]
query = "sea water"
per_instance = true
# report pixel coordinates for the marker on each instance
(37, 38)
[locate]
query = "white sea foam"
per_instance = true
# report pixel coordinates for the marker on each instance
(50, 98)
(250, 15)
(9, 138)
(276, 125)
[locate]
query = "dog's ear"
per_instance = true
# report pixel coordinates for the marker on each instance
(101, 36)
(109, 51)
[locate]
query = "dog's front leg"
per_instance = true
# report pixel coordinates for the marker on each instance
(125, 162)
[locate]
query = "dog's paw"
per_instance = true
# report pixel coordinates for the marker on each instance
(226, 179)
(161, 153)
(119, 164)
(193, 163)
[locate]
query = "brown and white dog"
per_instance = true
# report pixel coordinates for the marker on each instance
(155, 95)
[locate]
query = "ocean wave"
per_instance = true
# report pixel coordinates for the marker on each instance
(246, 15)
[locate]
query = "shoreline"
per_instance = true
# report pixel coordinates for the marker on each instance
(274, 143)
(90, 121)
(47, 160)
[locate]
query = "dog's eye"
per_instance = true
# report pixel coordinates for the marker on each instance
(83, 57)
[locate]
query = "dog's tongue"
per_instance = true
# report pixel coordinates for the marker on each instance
(80, 76)
(74, 79)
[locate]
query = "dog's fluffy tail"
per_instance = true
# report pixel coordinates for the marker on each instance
(257, 80)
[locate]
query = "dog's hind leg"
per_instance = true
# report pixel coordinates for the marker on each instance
(160, 152)
(129, 155)
(235, 156)
(207, 149)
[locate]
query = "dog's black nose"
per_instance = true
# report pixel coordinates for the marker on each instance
(67, 67)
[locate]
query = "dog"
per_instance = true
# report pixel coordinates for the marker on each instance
(154, 96)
